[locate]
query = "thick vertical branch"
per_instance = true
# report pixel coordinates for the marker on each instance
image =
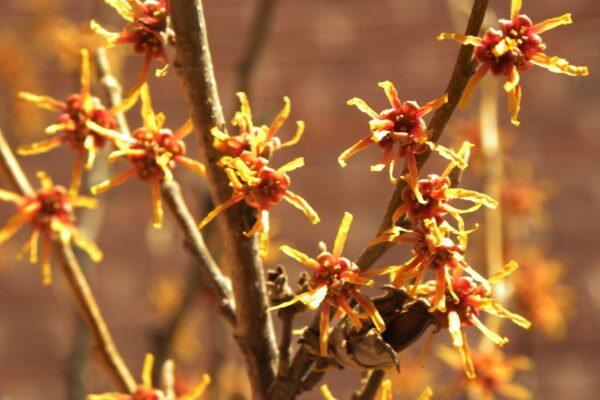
(82, 293)
(254, 329)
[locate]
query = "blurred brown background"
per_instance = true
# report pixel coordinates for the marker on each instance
(320, 54)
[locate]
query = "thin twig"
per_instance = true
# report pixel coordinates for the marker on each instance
(369, 385)
(463, 70)
(254, 329)
(211, 274)
(112, 86)
(80, 288)
(256, 43)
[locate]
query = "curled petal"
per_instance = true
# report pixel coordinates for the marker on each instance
(221, 207)
(551, 23)
(362, 106)
(302, 205)
(493, 336)
(292, 165)
(110, 183)
(371, 310)
(471, 195)
(514, 105)
(341, 236)
(448, 154)
(39, 147)
(185, 130)
(324, 329)
(110, 134)
(503, 272)
(392, 94)
(515, 9)
(12, 226)
(280, 118)
(300, 257)
(86, 245)
(383, 161)
(466, 40)
(44, 102)
(358, 146)
(160, 72)
(11, 197)
(558, 65)
(312, 299)
(110, 37)
(471, 85)
(513, 80)
(191, 164)
(326, 393)
(432, 105)
(297, 135)
(157, 209)
(352, 315)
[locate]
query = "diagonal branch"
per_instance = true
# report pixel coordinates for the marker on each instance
(82, 293)
(288, 387)
(254, 329)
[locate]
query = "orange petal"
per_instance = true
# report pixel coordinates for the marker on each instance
(324, 329)
(465, 40)
(300, 257)
(471, 85)
(362, 106)
(39, 147)
(551, 23)
(341, 236)
(515, 9)
(432, 105)
(222, 207)
(358, 146)
(302, 205)
(110, 183)
(514, 105)
(558, 65)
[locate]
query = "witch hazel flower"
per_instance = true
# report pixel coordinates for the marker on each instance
(512, 49)
(465, 299)
(261, 187)
(50, 212)
(433, 197)
(401, 126)
(152, 151)
(147, 391)
(495, 373)
(263, 137)
(71, 126)
(433, 250)
(335, 281)
(147, 30)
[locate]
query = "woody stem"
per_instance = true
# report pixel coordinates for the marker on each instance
(254, 328)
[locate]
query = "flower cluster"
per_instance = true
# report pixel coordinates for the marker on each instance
(147, 391)
(495, 373)
(72, 124)
(464, 300)
(147, 30)
(400, 126)
(152, 150)
(252, 179)
(512, 49)
(49, 211)
(263, 137)
(437, 245)
(334, 282)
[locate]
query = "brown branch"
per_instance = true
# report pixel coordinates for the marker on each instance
(463, 70)
(80, 288)
(258, 35)
(211, 274)
(112, 86)
(369, 385)
(254, 329)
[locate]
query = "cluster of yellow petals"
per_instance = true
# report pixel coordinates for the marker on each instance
(50, 213)
(147, 146)
(147, 390)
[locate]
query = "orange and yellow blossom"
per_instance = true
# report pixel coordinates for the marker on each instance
(262, 137)
(514, 48)
(334, 282)
(50, 212)
(384, 394)
(495, 373)
(152, 150)
(72, 126)
(147, 29)
(261, 187)
(433, 249)
(460, 308)
(432, 197)
(147, 391)
(401, 125)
